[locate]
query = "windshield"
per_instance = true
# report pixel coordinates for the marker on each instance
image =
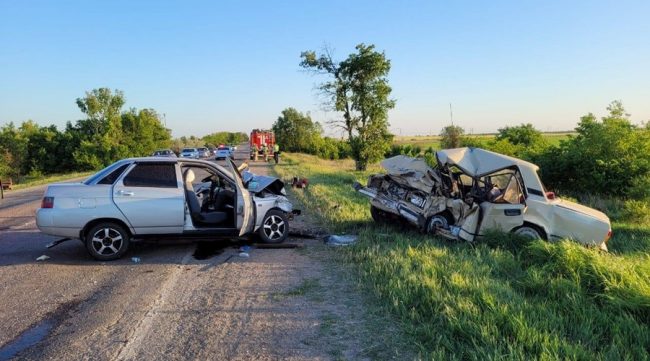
(187, 150)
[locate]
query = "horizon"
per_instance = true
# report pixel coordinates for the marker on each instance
(229, 67)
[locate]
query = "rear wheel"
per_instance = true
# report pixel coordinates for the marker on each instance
(107, 241)
(275, 227)
(529, 231)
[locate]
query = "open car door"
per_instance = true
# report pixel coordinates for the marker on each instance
(245, 220)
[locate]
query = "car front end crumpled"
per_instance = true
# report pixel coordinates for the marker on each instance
(471, 191)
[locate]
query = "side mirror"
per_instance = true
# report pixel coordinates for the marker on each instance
(550, 195)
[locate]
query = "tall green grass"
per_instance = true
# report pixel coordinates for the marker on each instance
(500, 298)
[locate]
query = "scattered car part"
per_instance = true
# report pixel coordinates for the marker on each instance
(57, 242)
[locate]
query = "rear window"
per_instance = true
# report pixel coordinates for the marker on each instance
(112, 177)
(160, 175)
(189, 150)
(223, 148)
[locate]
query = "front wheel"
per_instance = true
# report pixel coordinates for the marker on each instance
(275, 227)
(378, 215)
(107, 241)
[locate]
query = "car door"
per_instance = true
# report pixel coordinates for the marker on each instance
(506, 211)
(151, 198)
(245, 216)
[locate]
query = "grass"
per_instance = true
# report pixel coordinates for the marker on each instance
(31, 181)
(501, 298)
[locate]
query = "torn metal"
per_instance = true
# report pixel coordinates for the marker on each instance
(473, 190)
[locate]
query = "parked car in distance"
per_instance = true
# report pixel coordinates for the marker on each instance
(156, 197)
(203, 152)
(164, 153)
(190, 153)
(471, 191)
(213, 151)
(223, 153)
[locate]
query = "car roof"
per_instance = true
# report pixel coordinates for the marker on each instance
(198, 162)
(479, 162)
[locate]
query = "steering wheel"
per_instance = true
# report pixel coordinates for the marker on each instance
(215, 187)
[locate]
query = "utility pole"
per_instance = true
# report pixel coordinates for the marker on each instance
(451, 115)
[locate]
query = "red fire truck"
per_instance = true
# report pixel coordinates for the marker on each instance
(260, 137)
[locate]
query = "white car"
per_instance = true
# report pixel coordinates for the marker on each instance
(158, 197)
(473, 190)
(223, 153)
(190, 153)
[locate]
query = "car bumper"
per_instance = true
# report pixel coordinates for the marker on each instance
(45, 224)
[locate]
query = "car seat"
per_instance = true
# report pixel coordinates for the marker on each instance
(195, 207)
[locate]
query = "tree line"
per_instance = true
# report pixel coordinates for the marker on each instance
(107, 133)
(606, 156)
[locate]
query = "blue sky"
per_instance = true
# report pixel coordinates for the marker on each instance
(233, 65)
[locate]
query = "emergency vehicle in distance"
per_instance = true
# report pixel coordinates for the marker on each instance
(259, 138)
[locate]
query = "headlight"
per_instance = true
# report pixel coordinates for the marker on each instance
(284, 204)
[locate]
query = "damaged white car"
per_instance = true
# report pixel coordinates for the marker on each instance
(473, 190)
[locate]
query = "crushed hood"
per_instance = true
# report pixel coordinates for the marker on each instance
(414, 171)
(257, 183)
(476, 162)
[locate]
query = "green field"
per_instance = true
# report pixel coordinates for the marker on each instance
(501, 298)
(426, 141)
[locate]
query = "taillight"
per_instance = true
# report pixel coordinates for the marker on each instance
(609, 235)
(47, 202)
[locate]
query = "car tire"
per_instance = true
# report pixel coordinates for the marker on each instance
(275, 227)
(437, 221)
(378, 215)
(529, 231)
(107, 241)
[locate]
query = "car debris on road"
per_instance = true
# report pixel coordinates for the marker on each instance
(473, 190)
(340, 240)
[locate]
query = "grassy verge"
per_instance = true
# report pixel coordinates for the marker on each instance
(28, 181)
(503, 298)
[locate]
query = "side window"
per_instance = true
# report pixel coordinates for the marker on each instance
(161, 175)
(112, 177)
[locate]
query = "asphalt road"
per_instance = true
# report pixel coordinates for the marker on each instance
(169, 305)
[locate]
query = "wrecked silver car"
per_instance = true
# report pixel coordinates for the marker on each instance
(472, 190)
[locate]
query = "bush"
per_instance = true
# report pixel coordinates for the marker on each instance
(607, 157)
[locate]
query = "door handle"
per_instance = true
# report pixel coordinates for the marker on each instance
(512, 212)
(125, 193)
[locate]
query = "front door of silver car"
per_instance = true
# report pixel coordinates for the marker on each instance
(151, 198)
(245, 216)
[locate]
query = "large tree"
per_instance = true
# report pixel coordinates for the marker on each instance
(296, 132)
(358, 88)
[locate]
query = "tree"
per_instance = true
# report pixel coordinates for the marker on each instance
(101, 132)
(144, 132)
(525, 135)
(359, 89)
(451, 136)
(296, 132)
